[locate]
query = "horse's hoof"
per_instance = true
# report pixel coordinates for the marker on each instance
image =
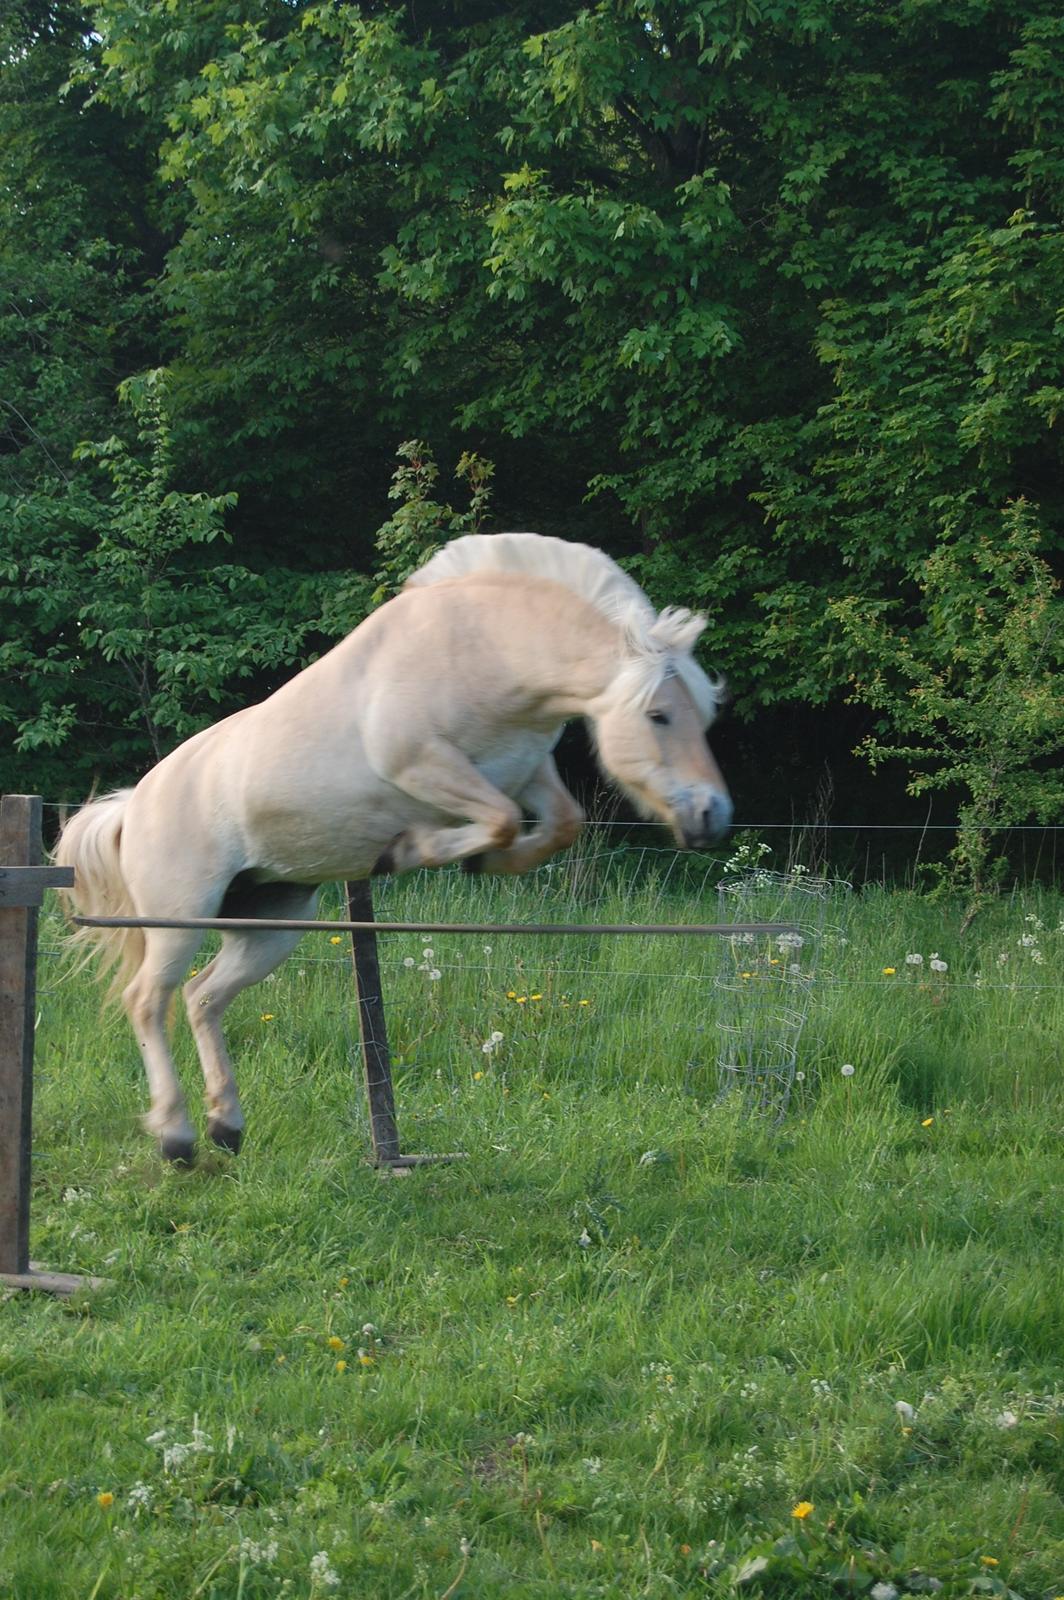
(179, 1152)
(224, 1137)
(473, 864)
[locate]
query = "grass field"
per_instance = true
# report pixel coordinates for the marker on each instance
(637, 1344)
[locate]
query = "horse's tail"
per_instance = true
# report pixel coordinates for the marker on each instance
(89, 842)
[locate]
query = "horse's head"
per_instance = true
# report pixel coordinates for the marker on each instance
(650, 728)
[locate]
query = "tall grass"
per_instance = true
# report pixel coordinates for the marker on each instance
(611, 1351)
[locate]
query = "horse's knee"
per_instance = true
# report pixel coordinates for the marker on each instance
(504, 830)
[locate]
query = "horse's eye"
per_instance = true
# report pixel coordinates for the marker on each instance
(660, 717)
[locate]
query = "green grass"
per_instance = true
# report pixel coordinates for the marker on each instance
(615, 1346)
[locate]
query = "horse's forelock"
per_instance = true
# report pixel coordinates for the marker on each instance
(658, 646)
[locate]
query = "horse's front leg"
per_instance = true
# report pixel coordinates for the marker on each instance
(558, 822)
(446, 779)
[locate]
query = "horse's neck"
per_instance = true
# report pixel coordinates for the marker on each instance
(567, 652)
(562, 650)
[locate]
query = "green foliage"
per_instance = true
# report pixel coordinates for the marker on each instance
(128, 631)
(421, 524)
(765, 301)
(970, 686)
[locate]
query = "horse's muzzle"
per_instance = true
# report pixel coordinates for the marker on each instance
(705, 823)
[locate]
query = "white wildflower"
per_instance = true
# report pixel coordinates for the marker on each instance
(938, 966)
(914, 959)
(1006, 1419)
(260, 1555)
(883, 1591)
(592, 1465)
(848, 1070)
(789, 941)
(321, 1571)
(408, 961)
(140, 1498)
(487, 949)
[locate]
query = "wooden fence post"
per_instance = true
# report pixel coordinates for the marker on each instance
(373, 1029)
(23, 881)
(20, 846)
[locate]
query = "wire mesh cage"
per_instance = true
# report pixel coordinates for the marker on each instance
(765, 982)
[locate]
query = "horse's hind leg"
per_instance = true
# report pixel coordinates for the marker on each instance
(167, 953)
(244, 959)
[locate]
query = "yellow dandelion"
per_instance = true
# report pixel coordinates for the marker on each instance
(685, 1549)
(365, 1360)
(746, 974)
(341, 1366)
(989, 1561)
(536, 997)
(337, 938)
(281, 1359)
(335, 1342)
(344, 1282)
(802, 1510)
(598, 1548)
(584, 1002)
(546, 1096)
(927, 1122)
(511, 994)
(512, 1299)
(105, 1500)
(522, 999)
(267, 1016)
(888, 972)
(193, 972)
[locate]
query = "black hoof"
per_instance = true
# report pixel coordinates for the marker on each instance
(225, 1138)
(180, 1152)
(473, 864)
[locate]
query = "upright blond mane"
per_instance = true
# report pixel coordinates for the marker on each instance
(655, 643)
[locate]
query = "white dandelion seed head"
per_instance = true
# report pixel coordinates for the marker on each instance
(914, 959)
(435, 974)
(848, 1069)
(408, 961)
(905, 1411)
(938, 966)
